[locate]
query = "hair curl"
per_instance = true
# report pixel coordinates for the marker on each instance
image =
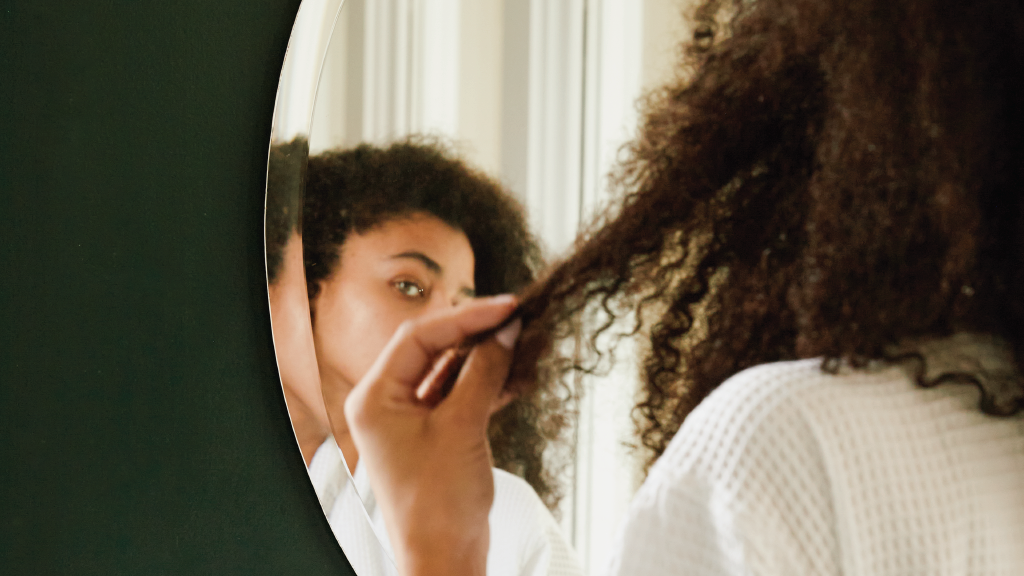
(353, 191)
(823, 178)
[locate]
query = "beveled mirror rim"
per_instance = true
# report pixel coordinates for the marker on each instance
(299, 82)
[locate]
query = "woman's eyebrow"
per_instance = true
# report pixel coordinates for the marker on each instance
(426, 260)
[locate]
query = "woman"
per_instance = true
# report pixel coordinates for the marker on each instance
(392, 234)
(823, 240)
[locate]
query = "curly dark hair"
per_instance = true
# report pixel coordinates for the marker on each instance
(286, 171)
(824, 178)
(353, 191)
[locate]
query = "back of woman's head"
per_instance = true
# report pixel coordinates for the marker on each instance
(824, 178)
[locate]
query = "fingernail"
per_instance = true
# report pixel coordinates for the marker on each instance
(507, 336)
(504, 299)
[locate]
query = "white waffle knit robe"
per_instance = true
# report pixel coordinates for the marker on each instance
(786, 470)
(525, 539)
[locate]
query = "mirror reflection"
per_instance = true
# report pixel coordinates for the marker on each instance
(450, 150)
(393, 233)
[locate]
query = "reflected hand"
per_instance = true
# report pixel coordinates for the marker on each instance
(428, 458)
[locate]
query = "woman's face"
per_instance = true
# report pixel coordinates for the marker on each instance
(392, 273)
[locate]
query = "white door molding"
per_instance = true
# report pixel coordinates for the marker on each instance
(607, 471)
(409, 77)
(543, 112)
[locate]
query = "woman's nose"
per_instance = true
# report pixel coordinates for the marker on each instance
(448, 301)
(444, 302)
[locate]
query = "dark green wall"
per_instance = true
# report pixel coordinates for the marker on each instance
(142, 428)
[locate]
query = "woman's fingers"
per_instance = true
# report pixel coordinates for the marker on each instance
(414, 441)
(417, 344)
(479, 384)
(397, 376)
(431, 390)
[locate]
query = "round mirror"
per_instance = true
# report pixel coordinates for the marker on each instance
(426, 154)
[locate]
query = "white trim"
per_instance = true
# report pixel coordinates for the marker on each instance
(606, 470)
(438, 68)
(543, 113)
(409, 78)
(614, 81)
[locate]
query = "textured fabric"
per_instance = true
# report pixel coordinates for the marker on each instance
(787, 470)
(525, 539)
(345, 513)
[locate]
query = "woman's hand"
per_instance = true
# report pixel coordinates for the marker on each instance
(428, 458)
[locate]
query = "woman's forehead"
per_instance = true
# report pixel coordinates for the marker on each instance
(439, 247)
(420, 229)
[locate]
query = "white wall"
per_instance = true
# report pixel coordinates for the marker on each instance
(381, 80)
(664, 28)
(480, 84)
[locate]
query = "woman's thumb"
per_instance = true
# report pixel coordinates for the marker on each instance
(483, 375)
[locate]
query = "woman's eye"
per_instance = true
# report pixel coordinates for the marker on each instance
(410, 289)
